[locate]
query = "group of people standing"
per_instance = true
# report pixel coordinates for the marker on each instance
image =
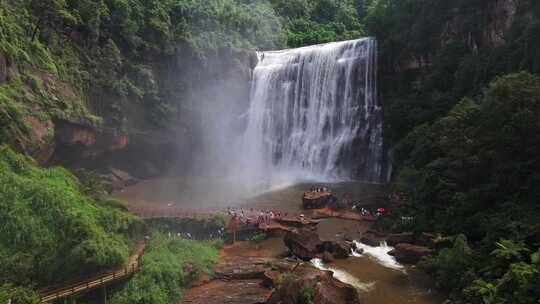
(319, 189)
(251, 216)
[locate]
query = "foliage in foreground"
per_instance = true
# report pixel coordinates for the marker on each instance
(17, 295)
(163, 273)
(202, 228)
(476, 172)
(51, 231)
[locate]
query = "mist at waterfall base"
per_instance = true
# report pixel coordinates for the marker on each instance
(312, 115)
(297, 116)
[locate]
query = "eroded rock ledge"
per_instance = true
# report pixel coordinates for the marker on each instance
(251, 273)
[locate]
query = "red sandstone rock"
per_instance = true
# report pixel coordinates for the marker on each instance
(327, 289)
(405, 237)
(409, 254)
(423, 239)
(306, 244)
(327, 257)
(371, 238)
(303, 243)
(230, 292)
(316, 200)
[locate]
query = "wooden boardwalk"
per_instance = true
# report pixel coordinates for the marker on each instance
(61, 292)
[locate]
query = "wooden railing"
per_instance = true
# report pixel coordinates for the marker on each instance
(55, 293)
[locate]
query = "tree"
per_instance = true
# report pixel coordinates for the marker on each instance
(52, 14)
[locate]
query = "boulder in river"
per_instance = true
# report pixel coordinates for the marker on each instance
(303, 243)
(327, 257)
(396, 238)
(409, 253)
(321, 285)
(317, 200)
(339, 250)
(372, 238)
(306, 244)
(423, 239)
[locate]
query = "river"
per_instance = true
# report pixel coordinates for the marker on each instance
(379, 277)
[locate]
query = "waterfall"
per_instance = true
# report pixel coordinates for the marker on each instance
(314, 115)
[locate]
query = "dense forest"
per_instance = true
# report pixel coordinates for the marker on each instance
(458, 82)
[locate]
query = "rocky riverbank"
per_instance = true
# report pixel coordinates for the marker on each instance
(270, 271)
(262, 269)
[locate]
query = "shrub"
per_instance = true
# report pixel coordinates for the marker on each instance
(452, 266)
(17, 295)
(307, 294)
(51, 230)
(163, 274)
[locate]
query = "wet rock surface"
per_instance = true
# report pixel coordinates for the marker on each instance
(240, 277)
(409, 253)
(241, 267)
(254, 272)
(405, 237)
(325, 288)
(303, 243)
(338, 250)
(296, 222)
(423, 239)
(322, 213)
(316, 200)
(306, 244)
(116, 180)
(229, 292)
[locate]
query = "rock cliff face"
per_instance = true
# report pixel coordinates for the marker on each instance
(97, 127)
(493, 22)
(502, 13)
(497, 17)
(201, 91)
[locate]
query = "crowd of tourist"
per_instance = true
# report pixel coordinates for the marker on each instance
(319, 189)
(246, 217)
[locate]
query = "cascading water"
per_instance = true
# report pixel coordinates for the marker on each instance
(314, 115)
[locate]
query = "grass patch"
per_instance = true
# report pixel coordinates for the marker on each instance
(51, 231)
(163, 272)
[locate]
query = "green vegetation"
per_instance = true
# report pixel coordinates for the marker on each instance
(257, 238)
(109, 53)
(462, 101)
(168, 265)
(461, 93)
(17, 295)
(310, 22)
(203, 228)
(434, 54)
(93, 61)
(307, 294)
(51, 231)
(475, 172)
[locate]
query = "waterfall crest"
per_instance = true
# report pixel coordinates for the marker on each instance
(314, 115)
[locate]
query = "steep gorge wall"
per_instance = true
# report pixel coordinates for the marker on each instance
(126, 134)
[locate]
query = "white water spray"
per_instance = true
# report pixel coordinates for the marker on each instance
(380, 254)
(314, 115)
(343, 276)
